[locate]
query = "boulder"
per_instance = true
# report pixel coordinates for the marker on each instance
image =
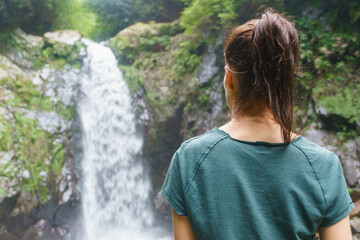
(355, 224)
(348, 152)
(67, 37)
(25, 48)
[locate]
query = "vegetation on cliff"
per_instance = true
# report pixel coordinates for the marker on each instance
(329, 56)
(32, 157)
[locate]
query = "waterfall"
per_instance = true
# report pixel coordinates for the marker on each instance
(116, 186)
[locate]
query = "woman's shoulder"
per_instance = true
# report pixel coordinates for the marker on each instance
(201, 143)
(319, 156)
(192, 151)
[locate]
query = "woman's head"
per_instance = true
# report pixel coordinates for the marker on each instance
(262, 59)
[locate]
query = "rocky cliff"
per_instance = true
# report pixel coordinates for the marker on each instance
(37, 174)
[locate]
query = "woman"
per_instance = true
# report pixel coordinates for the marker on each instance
(254, 178)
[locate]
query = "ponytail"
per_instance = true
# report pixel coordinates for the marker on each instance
(267, 51)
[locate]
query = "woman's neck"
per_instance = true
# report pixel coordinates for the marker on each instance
(254, 128)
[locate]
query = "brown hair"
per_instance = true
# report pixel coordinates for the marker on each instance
(263, 55)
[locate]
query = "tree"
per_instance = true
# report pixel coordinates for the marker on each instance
(115, 15)
(33, 16)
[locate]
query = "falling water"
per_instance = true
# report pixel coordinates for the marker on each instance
(116, 187)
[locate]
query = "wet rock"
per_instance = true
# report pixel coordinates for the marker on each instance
(355, 210)
(356, 236)
(61, 85)
(351, 162)
(129, 37)
(8, 184)
(48, 121)
(64, 44)
(8, 69)
(67, 183)
(36, 231)
(47, 211)
(17, 226)
(208, 68)
(26, 203)
(56, 233)
(355, 224)
(7, 206)
(355, 194)
(67, 213)
(68, 37)
(22, 215)
(348, 152)
(28, 48)
(158, 78)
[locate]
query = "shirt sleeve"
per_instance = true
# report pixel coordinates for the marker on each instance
(338, 201)
(173, 189)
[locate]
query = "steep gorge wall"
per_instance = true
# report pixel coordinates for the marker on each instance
(37, 174)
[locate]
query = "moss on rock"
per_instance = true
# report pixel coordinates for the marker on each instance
(150, 54)
(330, 61)
(31, 150)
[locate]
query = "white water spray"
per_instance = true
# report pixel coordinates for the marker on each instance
(116, 187)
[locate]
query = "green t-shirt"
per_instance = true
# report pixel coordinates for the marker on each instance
(235, 189)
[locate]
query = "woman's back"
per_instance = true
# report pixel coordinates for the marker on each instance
(236, 189)
(270, 184)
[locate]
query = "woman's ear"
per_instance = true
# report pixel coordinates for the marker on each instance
(229, 80)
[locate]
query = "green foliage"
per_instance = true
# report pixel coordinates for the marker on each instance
(210, 17)
(34, 16)
(342, 16)
(25, 94)
(170, 29)
(65, 111)
(7, 170)
(143, 48)
(114, 15)
(40, 16)
(6, 139)
(154, 43)
(202, 20)
(151, 99)
(203, 98)
(344, 101)
(131, 77)
(58, 156)
(76, 15)
(329, 61)
(58, 55)
(34, 153)
(122, 49)
(345, 134)
(207, 16)
(188, 107)
(6, 40)
(31, 149)
(151, 38)
(187, 59)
